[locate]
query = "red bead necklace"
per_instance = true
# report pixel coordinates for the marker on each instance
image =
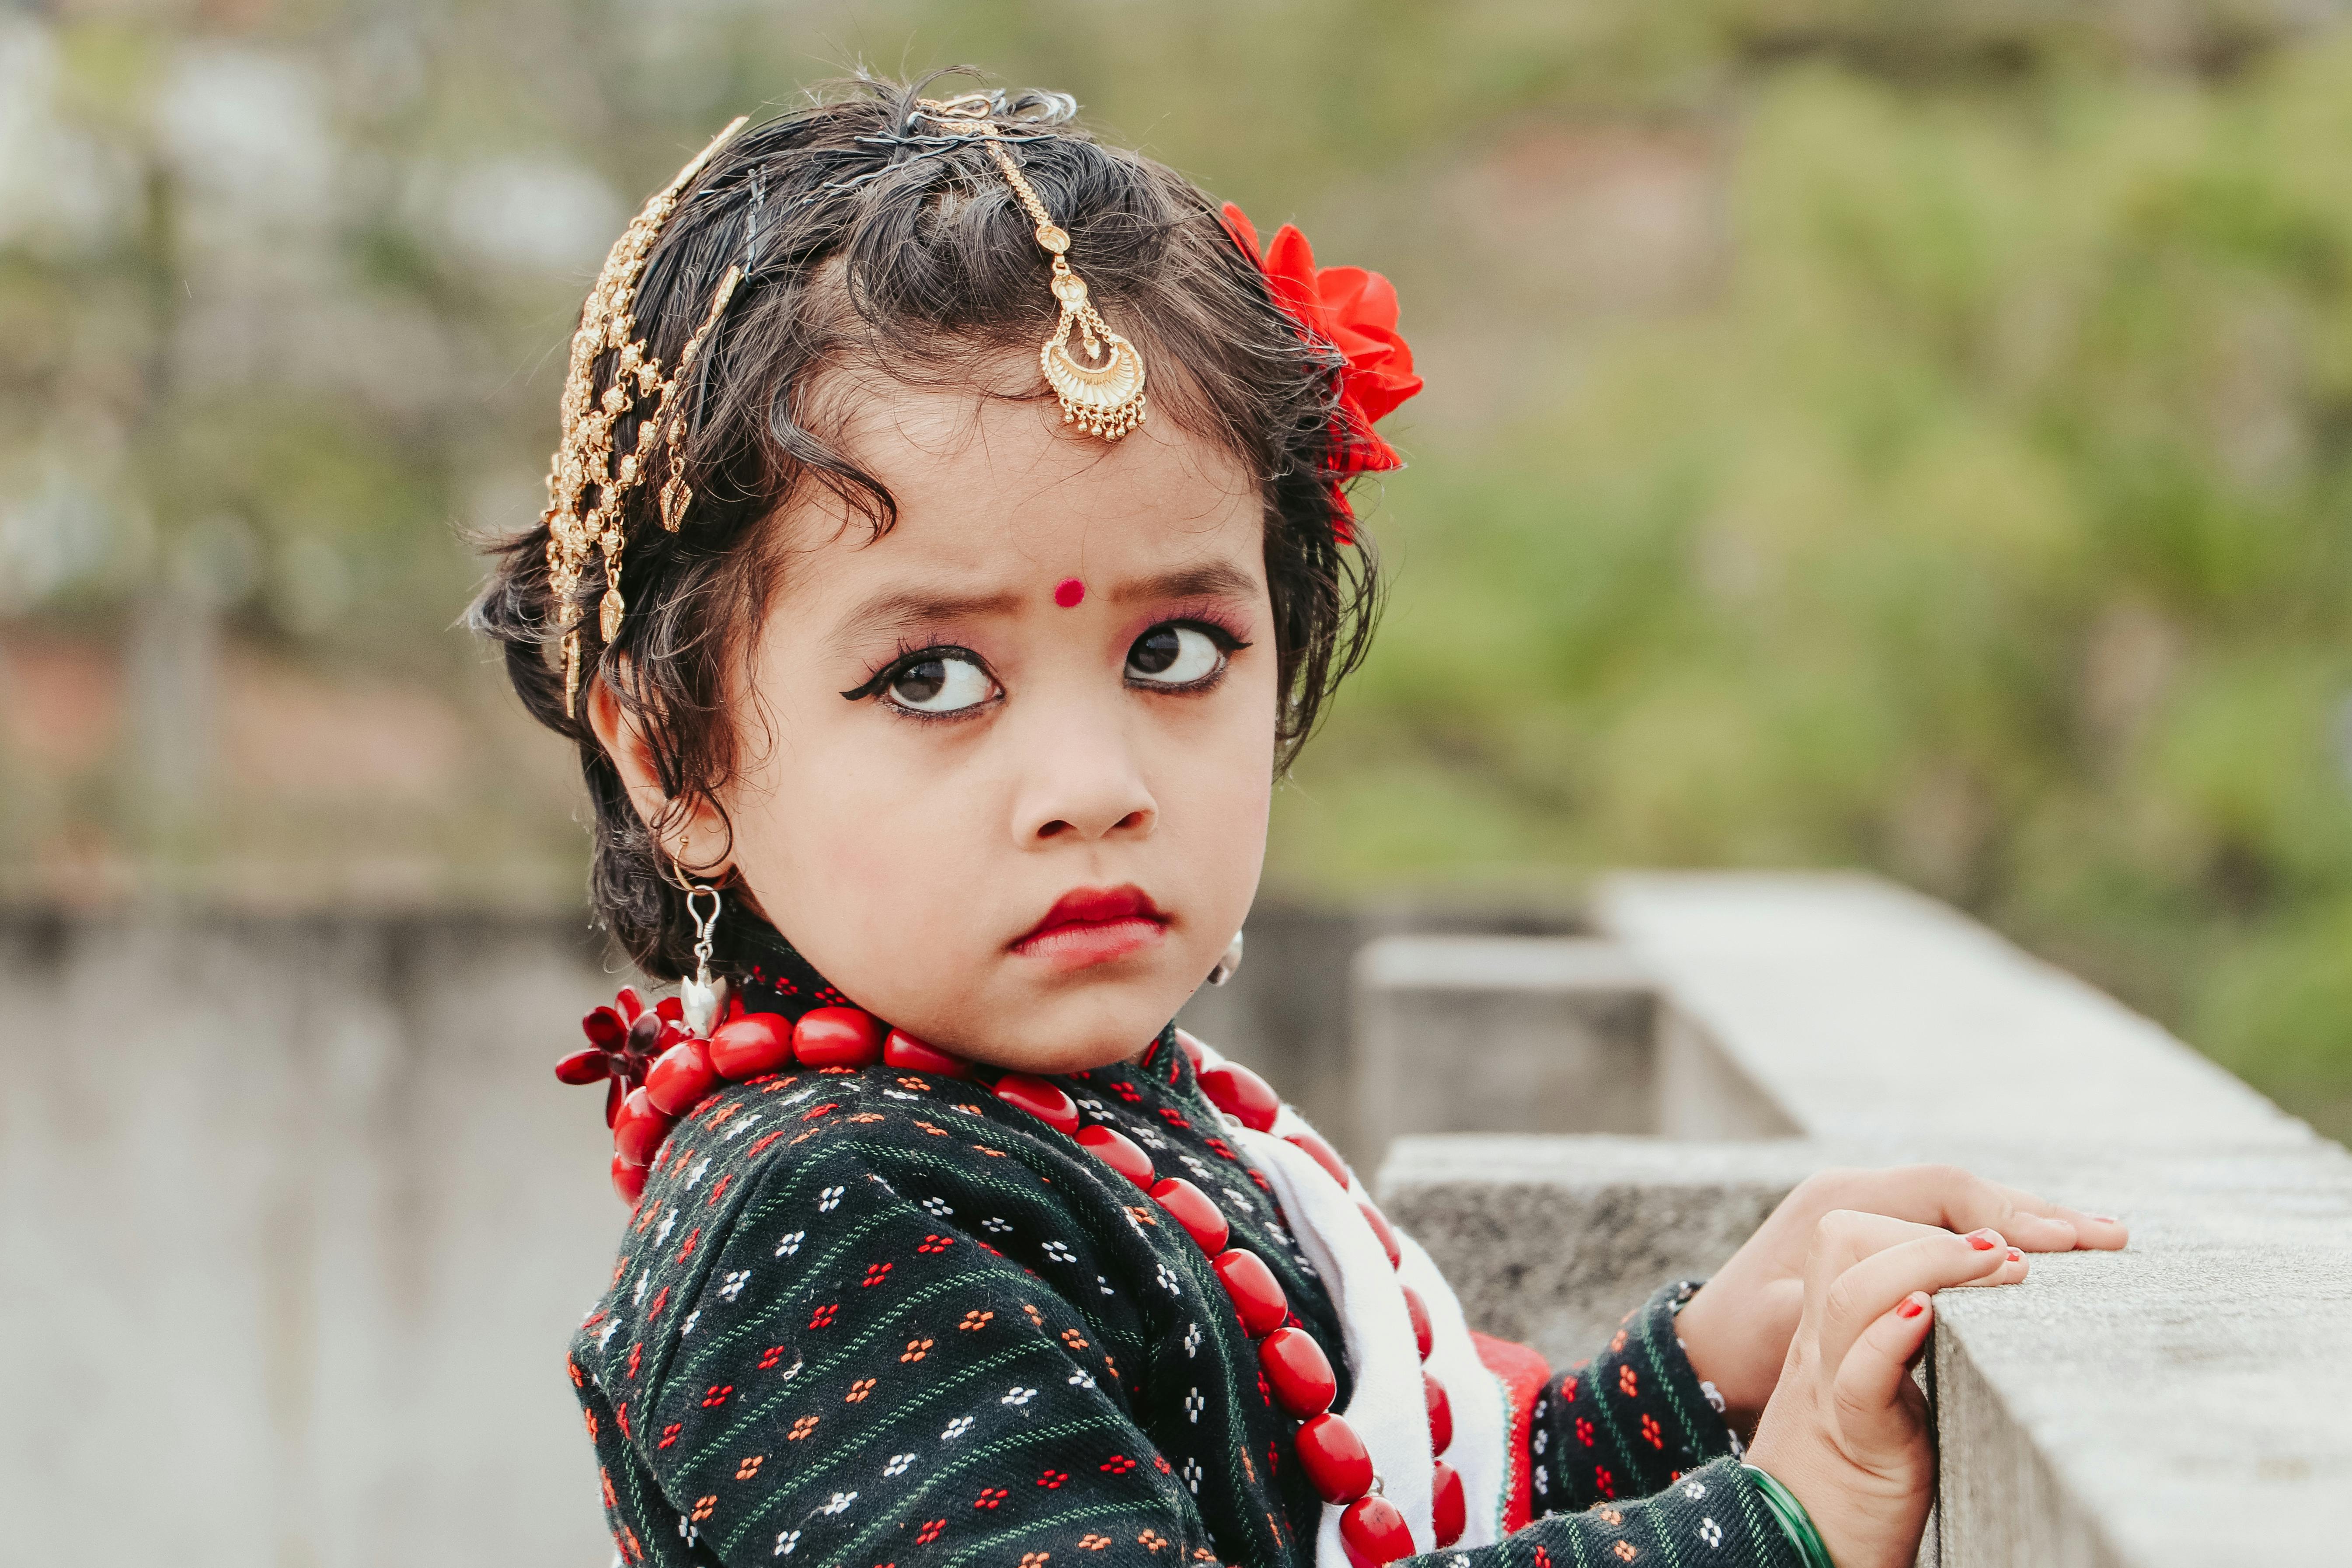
(1372, 1530)
(658, 1070)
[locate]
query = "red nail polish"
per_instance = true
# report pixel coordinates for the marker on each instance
(1983, 1240)
(2015, 1255)
(1910, 1307)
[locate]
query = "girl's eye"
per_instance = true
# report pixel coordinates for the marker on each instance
(1174, 655)
(940, 683)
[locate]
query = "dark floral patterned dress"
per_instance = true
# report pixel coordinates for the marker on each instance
(870, 1319)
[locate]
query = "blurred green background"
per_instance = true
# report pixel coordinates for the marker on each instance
(1891, 435)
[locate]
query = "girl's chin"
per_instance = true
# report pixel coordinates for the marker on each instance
(1041, 1019)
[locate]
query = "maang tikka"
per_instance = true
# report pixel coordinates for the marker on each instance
(1101, 393)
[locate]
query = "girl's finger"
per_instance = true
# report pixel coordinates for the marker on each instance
(1967, 1202)
(2096, 1231)
(2011, 1273)
(1872, 1386)
(1843, 1237)
(2036, 1232)
(2037, 1225)
(1960, 1200)
(1872, 1287)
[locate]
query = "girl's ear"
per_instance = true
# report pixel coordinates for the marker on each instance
(678, 827)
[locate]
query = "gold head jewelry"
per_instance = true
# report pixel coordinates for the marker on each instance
(1102, 392)
(585, 460)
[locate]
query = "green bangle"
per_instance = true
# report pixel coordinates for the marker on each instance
(1795, 1522)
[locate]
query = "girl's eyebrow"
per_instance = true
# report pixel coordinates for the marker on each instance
(904, 608)
(1216, 579)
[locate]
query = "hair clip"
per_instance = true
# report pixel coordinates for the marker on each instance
(585, 458)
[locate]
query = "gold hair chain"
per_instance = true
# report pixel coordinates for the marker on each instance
(585, 458)
(1101, 393)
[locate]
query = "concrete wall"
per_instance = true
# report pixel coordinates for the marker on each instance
(2182, 1402)
(299, 1223)
(298, 1226)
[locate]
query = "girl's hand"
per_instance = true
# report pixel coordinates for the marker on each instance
(1737, 1330)
(1847, 1429)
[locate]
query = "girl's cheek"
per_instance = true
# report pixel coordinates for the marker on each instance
(1226, 784)
(899, 843)
(868, 839)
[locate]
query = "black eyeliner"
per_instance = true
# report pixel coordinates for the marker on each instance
(1227, 645)
(1216, 634)
(897, 666)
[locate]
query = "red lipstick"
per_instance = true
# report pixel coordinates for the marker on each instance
(1087, 926)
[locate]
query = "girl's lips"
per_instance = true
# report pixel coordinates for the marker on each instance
(1094, 925)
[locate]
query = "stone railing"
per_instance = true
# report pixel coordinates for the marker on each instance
(1645, 1095)
(297, 1228)
(299, 1223)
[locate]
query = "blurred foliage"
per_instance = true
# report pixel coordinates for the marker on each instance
(1861, 432)
(1987, 526)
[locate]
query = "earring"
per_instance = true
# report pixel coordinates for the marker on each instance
(1230, 962)
(703, 998)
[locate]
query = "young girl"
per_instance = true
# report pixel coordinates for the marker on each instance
(947, 552)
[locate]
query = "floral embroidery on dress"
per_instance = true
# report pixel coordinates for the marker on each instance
(833, 1340)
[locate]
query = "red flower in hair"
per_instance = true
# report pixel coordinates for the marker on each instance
(1355, 311)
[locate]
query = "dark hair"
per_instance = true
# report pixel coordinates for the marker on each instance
(867, 237)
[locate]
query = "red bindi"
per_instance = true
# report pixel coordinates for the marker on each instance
(1069, 592)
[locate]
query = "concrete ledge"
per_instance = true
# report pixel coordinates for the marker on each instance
(2186, 1402)
(1505, 1033)
(1535, 1034)
(1548, 1240)
(1850, 1003)
(1483, 965)
(285, 1193)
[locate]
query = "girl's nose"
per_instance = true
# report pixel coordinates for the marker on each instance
(1133, 821)
(1084, 784)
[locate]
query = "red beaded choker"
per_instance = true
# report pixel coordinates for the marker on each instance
(659, 1071)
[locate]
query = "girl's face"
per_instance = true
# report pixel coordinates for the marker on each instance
(1005, 771)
